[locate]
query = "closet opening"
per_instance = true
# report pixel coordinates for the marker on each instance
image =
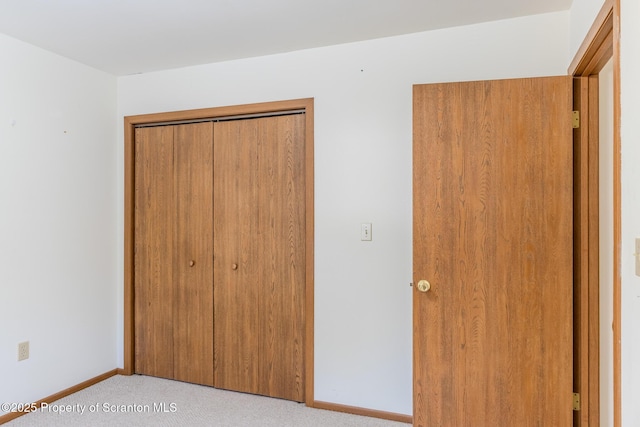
(240, 124)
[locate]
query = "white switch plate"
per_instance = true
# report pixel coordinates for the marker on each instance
(637, 255)
(365, 233)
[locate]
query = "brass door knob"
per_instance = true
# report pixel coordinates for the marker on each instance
(234, 266)
(424, 286)
(192, 263)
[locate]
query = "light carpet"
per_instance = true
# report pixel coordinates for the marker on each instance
(141, 401)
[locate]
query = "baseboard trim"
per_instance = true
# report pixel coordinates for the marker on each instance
(64, 393)
(363, 411)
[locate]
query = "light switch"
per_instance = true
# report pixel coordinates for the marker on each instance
(365, 233)
(637, 255)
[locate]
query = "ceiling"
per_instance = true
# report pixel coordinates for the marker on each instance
(125, 37)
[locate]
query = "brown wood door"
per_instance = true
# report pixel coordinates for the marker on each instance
(153, 254)
(492, 233)
(174, 252)
(259, 256)
(193, 253)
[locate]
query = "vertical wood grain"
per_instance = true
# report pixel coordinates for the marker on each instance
(580, 245)
(493, 234)
(281, 259)
(259, 225)
(586, 252)
(193, 253)
(309, 303)
(129, 238)
(237, 307)
(593, 224)
(153, 252)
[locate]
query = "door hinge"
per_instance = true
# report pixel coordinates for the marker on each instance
(576, 119)
(576, 401)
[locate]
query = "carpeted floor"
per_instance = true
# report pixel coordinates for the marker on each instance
(139, 401)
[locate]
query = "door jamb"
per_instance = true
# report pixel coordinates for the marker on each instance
(601, 44)
(130, 122)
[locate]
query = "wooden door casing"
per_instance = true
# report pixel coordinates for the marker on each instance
(493, 234)
(132, 304)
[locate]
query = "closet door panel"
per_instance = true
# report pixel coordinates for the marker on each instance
(236, 291)
(193, 253)
(259, 255)
(280, 244)
(153, 253)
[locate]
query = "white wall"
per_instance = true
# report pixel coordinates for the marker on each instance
(630, 135)
(363, 135)
(582, 15)
(57, 222)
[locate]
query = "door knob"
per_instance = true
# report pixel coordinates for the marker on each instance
(234, 266)
(192, 263)
(424, 286)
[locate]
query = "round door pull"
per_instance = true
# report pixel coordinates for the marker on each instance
(192, 263)
(234, 266)
(424, 286)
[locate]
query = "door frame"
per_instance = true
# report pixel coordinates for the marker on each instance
(601, 44)
(130, 123)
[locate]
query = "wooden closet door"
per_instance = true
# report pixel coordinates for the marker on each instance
(193, 253)
(153, 255)
(174, 251)
(236, 310)
(281, 255)
(259, 251)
